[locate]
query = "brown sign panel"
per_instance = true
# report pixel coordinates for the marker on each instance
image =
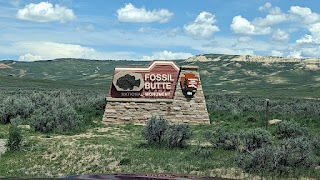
(158, 80)
(189, 84)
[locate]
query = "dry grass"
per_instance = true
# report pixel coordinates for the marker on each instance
(3, 66)
(276, 80)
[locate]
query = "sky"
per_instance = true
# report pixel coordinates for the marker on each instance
(33, 30)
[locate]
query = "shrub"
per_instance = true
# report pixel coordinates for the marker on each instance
(3, 116)
(155, 129)
(315, 143)
(251, 118)
(296, 152)
(124, 161)
(222, 139)
(16, 121)
(260, 160)
(176, 135)
(15, 106)
(40, 99)
(200, 152)
(7, 110)
(23, 106)
(255, 138)
(58, 117)
(15, 139)
(292, 154)
(290, 129)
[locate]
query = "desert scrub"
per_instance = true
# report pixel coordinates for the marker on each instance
(291, 155)
(57, 118)
(154, 130)
(158, 131)
(222, 139)
(176, 135)
(14, 106)
(15, 139)
(290, 129)
(52, 111)
(255, 138)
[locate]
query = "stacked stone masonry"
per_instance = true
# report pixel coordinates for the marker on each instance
(176, 110)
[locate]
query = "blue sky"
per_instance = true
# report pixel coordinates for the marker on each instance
(33, 30)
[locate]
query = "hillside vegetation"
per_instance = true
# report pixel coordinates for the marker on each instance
(235, 91)
(290, 79)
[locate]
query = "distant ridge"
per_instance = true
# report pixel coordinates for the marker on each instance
(249, 58)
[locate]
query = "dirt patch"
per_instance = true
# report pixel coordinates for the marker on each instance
(202, 144)
(4, 66)
(22, 72)
(106, 129)
(235, 80)
(233, 173)
(238, 65)
(250, 73)
(205, 72)
(312, 67)
(317, 78)
(3, 146)
(276, 80)
(231, 72)
(92, 76)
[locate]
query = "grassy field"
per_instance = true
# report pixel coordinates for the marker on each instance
(100, 148)
(121, 149)
(252, 78)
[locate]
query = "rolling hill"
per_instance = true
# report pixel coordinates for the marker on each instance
(219, 74)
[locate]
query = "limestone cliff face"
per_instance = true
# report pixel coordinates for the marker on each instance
(251, 58)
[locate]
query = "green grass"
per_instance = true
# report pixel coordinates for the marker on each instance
(248, 78)
(102, 149)
(99, 148)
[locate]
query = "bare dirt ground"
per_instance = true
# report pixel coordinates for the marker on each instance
(2, 146)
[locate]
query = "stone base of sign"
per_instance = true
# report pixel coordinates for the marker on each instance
(177, 110)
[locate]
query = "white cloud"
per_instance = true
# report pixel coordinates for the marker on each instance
(270, 20)
(295, 54)
(45, 12)
(15, 3)
(30, 57)
(167, 55)
(244, 39)
(242, 26)
(203, 26)
(306, 39)
(130, 13)
(146, 29)
(86, 28)
(267, 7)
(280, 36)
(315, 29)
(173, 32)
(301, 11)
(52, 50)
(305, 52)
(303, 15)
(260, 25)
(276, 53)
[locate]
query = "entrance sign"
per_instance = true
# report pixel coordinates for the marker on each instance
(160, 89)
(189, 84)
(158, 80)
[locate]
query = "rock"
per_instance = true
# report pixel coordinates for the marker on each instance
(24, 126)
(200, 58)
(177, 108)
(274, 121)
(3, 147)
